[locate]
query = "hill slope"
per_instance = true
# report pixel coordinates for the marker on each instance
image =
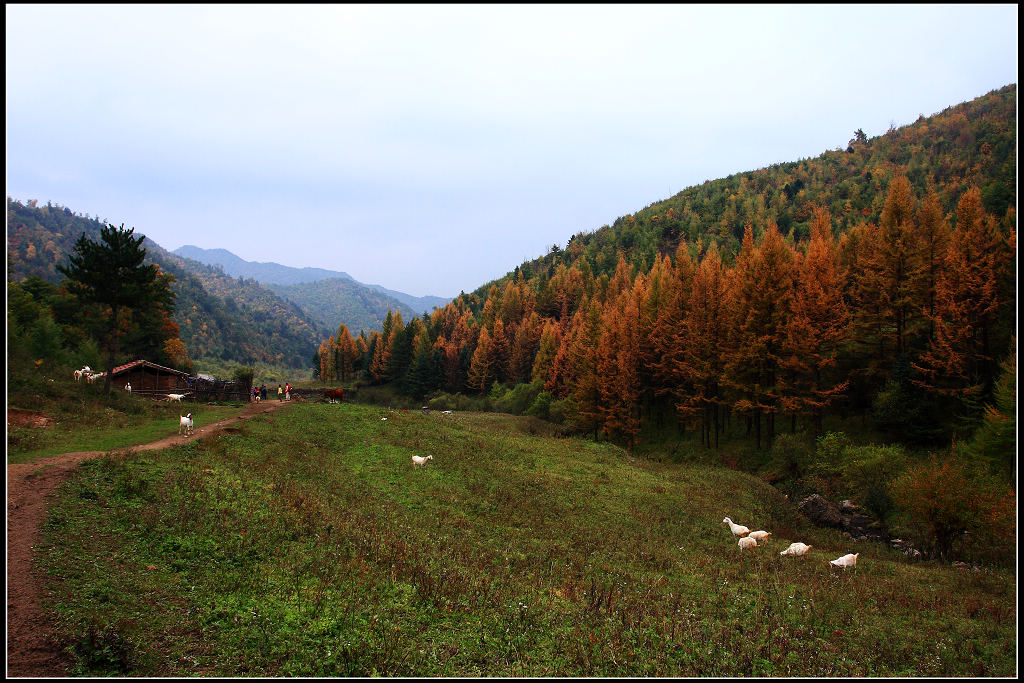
(311, 296)
(336, 301)
(220, 318)
(971, 143)
(310, 546)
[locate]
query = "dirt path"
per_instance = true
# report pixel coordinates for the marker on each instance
(31, 648)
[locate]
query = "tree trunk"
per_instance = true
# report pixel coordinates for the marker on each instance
(113, 351)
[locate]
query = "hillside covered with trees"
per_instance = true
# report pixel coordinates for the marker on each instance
(332, 300)
(217, 319)
(874, 280)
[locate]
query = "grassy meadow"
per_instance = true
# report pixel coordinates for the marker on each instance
(305, 543)
(82, 418)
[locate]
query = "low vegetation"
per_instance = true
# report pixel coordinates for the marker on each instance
(308, 544)
(47, 416)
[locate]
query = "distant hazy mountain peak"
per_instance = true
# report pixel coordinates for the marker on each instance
(270, 273)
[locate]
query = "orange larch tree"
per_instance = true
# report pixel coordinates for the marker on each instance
(617, 356)
(662, 313)
(583, 378)
(762, 295)
(960, 360)
(702, 339)
(481, 368)
(818, 325)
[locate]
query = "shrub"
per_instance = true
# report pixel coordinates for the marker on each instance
(863, 473)
(541, 406)
(516, 400)
(790, 456)
(559, 410)
(946, 498)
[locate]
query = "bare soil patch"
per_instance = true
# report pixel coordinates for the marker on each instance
(32, 650)
(17, 417)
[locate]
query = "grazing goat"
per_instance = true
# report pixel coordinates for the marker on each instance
(418, 461)
(759, 536)
(796, 549)
(177, 397)
(737, 529)
(334, 395)
(93, 376)
(746, 542)
(846, 561)
(186, 424)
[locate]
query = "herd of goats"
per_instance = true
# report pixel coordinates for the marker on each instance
(755, 539)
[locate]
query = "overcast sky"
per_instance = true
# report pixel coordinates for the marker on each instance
(431, 149)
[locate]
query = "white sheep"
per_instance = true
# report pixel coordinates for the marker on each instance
(746, 542)
(186, 424)
(796, 549)
(759, 536)
(418, 461)
(737, 529)
(846, 561)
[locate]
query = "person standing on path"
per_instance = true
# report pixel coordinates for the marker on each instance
(280, 393)
(287, 391)
(263, 392)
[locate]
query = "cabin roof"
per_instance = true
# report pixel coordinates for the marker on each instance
(143, 364)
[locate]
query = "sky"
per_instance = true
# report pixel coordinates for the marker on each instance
(433, 148)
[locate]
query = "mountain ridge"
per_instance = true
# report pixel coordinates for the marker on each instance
(272, 273)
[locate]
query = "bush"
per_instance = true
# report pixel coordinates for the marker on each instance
(863, 473)
(955, 506)
(541, 406)
(559, 411)
(516, 400)
(461, 402)
(790, 456)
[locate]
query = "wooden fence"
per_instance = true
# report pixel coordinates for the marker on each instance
(204, 391)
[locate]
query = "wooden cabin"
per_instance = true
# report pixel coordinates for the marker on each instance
(149, 378)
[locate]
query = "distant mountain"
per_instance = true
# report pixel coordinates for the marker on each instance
(317, 291)
(220, 318)
(264, 272)
(336, 300)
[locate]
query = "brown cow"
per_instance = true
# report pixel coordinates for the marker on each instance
(333, 395)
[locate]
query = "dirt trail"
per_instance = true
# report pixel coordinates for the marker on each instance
(31, 648)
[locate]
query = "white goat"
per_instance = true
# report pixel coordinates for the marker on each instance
(418, 461)
(128, 387)
(177, 397)
(186, 424)
(737, 529)
(796, 549)
(759, 536)
(846, 561)
(78, 375)
(746, 542)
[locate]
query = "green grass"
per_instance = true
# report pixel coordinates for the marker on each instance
(83, 419)
(307, 544)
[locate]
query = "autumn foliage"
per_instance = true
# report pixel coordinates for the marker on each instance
(854, 283)
(779, 335)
